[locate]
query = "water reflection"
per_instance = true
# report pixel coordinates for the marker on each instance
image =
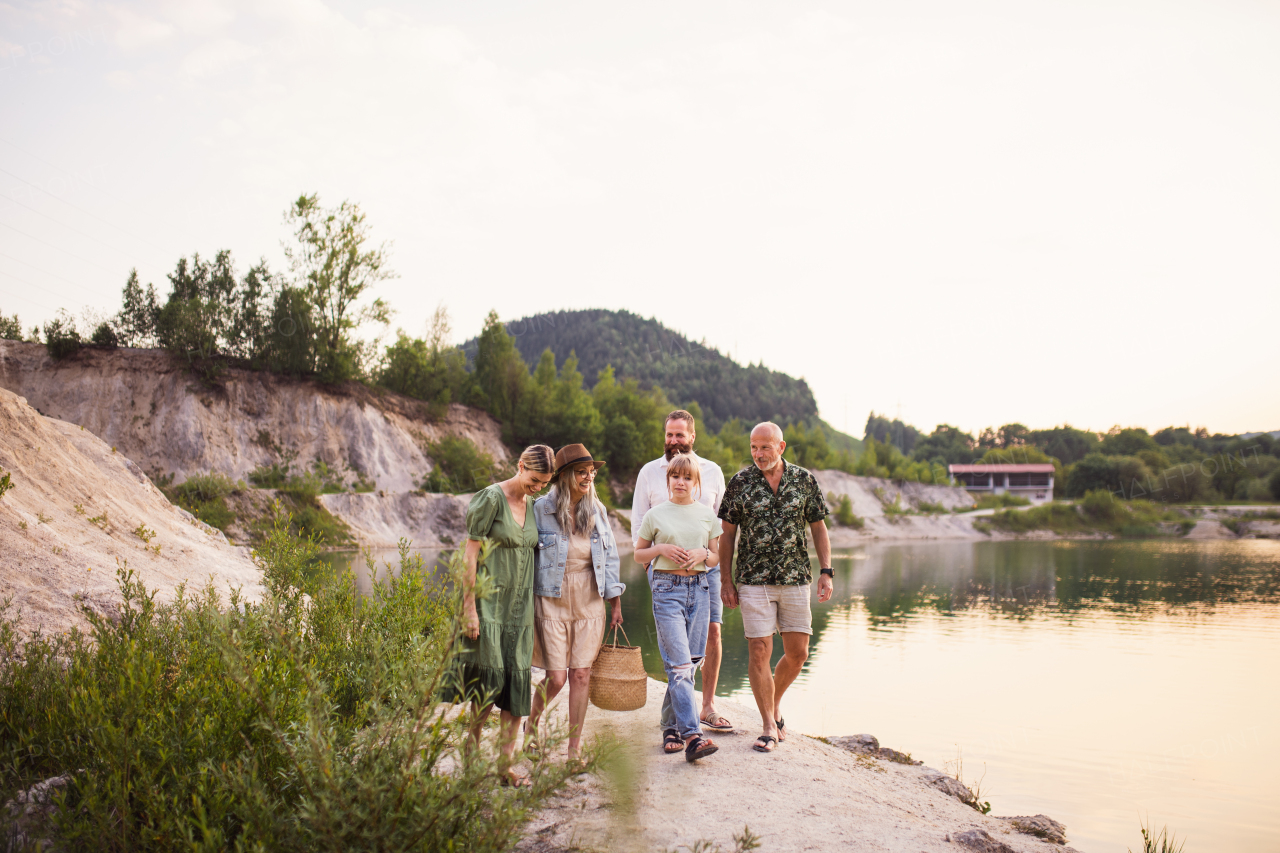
(896, 583)
(1092, 681)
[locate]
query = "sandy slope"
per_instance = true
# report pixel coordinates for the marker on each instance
(53, 553)
(807, 795)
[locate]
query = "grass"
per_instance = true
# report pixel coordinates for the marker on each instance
(1000, 501)
(303, 722)
(742, 843)
(930, 508)
(977, 803)
(205, 497)
(1161, 842)
(1098, 512)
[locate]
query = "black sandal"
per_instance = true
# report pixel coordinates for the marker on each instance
(763, 744)
(699, 747)
(670, 738)
(782, 730)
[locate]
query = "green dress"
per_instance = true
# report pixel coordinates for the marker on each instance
(495, 665)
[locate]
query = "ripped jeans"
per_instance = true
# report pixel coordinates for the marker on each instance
(681, 609)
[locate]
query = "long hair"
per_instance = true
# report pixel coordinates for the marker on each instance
(682, 463)
(573, 520)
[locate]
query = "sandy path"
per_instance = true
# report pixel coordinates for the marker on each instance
(807, 795)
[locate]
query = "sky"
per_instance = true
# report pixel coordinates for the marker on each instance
(978, 213)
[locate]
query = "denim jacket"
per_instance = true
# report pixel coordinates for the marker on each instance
(553, 552)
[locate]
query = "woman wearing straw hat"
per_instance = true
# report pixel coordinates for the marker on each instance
(577, 571)
(490, 665)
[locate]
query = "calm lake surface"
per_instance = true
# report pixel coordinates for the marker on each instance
(1101, 683)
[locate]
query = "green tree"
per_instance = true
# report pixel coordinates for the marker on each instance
(807, 448)
(1127, 442)
(428, 369)
(633, 422)
(290, 346)
(333, 265)
(501, 377)
(135, 325)
(947, 445)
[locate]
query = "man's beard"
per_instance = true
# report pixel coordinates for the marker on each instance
(776, 462)
(673, 448)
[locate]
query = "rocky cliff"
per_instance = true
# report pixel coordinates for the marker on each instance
(151, 408)
(893, 510)
(79, 509)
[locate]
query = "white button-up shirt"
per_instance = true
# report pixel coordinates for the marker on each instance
(651, 489)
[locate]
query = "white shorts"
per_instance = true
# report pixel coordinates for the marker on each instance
(771, 608)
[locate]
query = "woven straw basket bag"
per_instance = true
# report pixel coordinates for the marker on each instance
(618, 679)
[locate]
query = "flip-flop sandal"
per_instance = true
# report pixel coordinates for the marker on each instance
(782, 730)
(699, 747)
(510, 780)
(672, 742)
(531, 742)
(717, 722)
(763, 744)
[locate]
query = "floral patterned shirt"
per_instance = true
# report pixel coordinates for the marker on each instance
(771, 534)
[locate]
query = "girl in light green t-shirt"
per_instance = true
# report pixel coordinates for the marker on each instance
(680, 537)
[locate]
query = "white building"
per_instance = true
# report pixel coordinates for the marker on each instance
(1033, 481)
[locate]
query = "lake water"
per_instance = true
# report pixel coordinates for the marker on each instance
(1101, 683)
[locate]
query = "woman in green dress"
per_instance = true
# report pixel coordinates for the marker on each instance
(491, 660)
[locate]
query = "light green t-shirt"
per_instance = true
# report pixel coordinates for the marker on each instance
(691, 526)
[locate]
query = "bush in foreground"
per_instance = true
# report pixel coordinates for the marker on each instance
(305, 722)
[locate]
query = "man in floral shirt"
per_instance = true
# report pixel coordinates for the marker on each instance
(772, 501)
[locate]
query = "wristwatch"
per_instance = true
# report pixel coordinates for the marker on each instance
(831, 573)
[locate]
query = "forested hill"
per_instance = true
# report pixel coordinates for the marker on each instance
(651, 353)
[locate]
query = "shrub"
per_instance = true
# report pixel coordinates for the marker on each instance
(61, 338)
(105, 336)
(10, 328)
(204, 496)
(460, 466)
(305, 722)
(5, 484)
(844, 512)
(992, 501)
(1102, 507)
(1274, 483)
(301, 493)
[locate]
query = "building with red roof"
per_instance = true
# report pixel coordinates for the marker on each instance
(1033, 481)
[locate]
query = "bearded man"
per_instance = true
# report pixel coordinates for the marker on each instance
(651, 490)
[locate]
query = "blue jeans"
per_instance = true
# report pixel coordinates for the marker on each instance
(681, 610)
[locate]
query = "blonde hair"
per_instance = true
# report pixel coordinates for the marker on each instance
(573, 520)
(683, 463)
(539, 459)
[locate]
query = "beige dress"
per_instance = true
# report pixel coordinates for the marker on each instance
(567, 631)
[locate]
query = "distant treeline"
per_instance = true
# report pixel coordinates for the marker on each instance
(305, 322)
(1176, 464)
(645, 350)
